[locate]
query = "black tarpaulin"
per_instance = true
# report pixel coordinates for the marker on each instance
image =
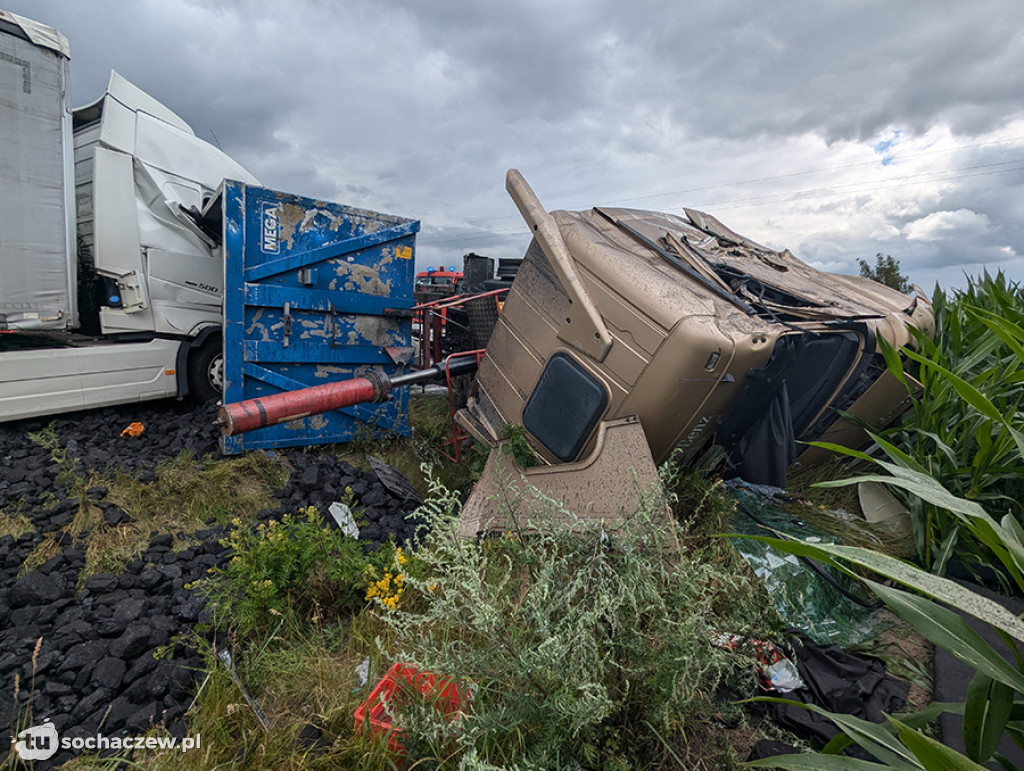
(838, 681)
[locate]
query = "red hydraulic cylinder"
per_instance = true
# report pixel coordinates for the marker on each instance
(374, 386)
(240, 417)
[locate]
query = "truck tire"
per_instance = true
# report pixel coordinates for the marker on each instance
(206, 371)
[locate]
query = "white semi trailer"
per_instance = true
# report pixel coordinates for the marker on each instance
(111, 274)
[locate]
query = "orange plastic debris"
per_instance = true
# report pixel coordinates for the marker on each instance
(134, 429)
(449, 695)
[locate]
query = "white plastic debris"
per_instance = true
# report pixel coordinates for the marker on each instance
(343, 516)
(363, 672)
(784, 676)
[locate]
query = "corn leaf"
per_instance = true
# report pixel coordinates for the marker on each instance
(972, 396)
(892, 360)
(871, 736)
(843, 450)
(986, 712)
(984, 528)
(920, 484)
(899, 456)
(933, 755)
(948, 630)
(909, 575)
(917, 719)
(1007, 331)
(945, 552)
(816, 762)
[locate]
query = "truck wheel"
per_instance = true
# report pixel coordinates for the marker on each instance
(206, 371)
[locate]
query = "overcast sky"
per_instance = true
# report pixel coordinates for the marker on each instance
(838, 129)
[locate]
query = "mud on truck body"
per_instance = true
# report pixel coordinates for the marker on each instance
(691, 331)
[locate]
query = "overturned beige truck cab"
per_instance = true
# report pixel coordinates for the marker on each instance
(628, 334)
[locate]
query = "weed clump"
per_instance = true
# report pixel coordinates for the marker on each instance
(519, 447)
(581, 645)
(48, 439)
(299, 569)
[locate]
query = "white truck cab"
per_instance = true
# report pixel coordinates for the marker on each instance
(111, 281)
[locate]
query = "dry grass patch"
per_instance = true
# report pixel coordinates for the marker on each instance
(302, 680)
(430, 420)
(189, 491)
(48, 548)
(15, 525)
(186, 495)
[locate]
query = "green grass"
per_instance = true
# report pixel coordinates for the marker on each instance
(189, 491)
(186, 494)
(430, 421)
(303, 679)
(302, 670)
(68, 476)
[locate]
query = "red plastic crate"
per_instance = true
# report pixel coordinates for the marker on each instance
(400, 682)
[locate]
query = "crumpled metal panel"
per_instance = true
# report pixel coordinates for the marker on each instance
(311, 290)
(692, 309)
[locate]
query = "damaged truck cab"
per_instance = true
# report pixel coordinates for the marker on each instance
(697, 332)
(111, 277)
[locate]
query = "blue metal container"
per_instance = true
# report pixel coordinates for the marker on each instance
(315, 292)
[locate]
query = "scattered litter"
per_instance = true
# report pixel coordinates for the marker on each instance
(133, 430)
(783, 675)
(839, 681)
(393, 479)
(879, 505)
(343, 517)
(774, 670)
(363, 672)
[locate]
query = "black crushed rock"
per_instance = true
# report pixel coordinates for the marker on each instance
(320, 480)
(86, 658)
(29, 475)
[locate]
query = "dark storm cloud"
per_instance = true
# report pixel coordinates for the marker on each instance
(769, 111)
(843, 70)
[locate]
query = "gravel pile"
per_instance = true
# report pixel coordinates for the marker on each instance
(93, 438)
(321, 480)
(94, 670)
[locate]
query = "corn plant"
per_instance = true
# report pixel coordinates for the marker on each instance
(962, 429)
(989, 710)
(929, 602)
